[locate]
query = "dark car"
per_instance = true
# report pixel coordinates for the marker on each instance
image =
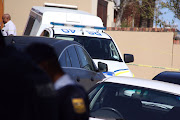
(73, 58)
(168, 76)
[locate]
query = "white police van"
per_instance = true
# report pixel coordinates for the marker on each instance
(68, 23)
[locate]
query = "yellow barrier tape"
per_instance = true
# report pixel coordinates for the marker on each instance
(141, 65)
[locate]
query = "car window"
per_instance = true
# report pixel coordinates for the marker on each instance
(65, 38)
(127, 99)
(149, 98)
(62, 59)
(85, 61)
(73, 57)
(65, 59)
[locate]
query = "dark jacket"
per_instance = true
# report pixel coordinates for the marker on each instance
(73, 103)
(26, 91)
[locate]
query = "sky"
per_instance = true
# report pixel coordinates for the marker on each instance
(168, 16)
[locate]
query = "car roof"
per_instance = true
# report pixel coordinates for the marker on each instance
(31, 39)
(152, 84)
(172, 74)
(58, 44)
(168, 76)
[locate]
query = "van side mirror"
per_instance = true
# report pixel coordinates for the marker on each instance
(128, 58)
(102, 67)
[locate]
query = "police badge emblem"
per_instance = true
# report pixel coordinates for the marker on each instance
(78, 105)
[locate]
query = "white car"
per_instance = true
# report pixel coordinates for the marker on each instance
(134, 99)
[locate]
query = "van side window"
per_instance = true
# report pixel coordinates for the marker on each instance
(33, 24)
(45, 33)
(113, 51)
(29, 25)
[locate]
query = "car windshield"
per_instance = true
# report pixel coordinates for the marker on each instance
(118, 101)
(98, 48)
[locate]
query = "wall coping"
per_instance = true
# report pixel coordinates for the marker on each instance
(140, 29)
(175, 41)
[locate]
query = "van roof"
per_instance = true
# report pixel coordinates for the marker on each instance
(67, 16)
(60, 5)
(42, 10)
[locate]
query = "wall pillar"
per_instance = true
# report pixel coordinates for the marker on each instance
(94, 7)
(110, 14)
(1, 11)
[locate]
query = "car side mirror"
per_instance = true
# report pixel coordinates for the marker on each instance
(128, 58)
(102, 67)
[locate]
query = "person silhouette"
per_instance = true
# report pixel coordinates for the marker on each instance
(72, 99)
(27, 92)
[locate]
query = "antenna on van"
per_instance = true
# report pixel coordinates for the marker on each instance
(60, 6)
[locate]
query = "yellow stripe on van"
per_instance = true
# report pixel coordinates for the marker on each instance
(121, 72)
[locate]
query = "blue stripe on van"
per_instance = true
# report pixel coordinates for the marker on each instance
(120, 70)
(109, 73)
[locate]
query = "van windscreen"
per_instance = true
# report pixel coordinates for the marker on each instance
(98, 48)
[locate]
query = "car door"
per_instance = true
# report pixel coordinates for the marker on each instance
(76, 62)
(87, 63)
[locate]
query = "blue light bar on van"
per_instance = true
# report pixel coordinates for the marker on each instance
(79, 26)
(53, 23)
(101, 28)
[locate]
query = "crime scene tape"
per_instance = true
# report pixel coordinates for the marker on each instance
(166, 68)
